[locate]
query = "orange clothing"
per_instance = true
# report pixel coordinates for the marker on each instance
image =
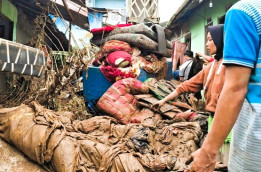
(213, 88)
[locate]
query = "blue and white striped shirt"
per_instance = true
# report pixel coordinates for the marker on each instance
(242, 47)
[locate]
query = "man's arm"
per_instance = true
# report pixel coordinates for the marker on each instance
(228, 108)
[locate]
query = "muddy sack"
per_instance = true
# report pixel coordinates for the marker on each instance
(59, 143)
(40, 135)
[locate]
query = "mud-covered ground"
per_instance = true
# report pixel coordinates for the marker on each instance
(12, 160)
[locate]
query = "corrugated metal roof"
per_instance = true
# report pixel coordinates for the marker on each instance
(33, 8)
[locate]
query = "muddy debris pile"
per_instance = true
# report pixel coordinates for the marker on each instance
(99, 143)
(60, 87)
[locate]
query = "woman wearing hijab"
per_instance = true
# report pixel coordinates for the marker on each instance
(210, 79)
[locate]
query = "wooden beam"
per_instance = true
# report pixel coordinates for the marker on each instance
(70, 37)
(29, 8)
(68, 10)
(79, 13)
(73, 6)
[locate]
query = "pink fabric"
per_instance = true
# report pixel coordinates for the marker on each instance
(193, 115)
(116, 45)
(117, 55)
(178, 50)
(118, 101)
(212, 59)
(117, 49)
(106, 29)
(114, 74)
(98, 61)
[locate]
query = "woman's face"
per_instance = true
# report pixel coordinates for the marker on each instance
(211, 47)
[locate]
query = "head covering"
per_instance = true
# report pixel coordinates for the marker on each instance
(216, 33)
(189, 53)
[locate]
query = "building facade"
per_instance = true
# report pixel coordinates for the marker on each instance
(190, 24)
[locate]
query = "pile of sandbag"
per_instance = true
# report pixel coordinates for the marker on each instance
(57, 142)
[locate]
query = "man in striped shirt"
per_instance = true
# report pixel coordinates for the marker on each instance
(239, 104)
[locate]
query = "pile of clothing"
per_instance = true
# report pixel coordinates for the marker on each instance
(130, 101)
(127, 49)
(119, 101)
(149, 39)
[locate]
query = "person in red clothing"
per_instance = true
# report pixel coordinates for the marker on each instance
(210, 79)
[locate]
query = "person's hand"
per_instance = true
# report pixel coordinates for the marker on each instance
(199, 54)
(158, 104)
(181, 79)
(202, 161)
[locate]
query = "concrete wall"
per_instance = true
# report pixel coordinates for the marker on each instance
(10, 11)
(24, 29)
(198, 21)
(197, 30)
(117, 6)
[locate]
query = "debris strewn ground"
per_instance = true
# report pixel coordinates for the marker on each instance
(13, 160)
(99, 143)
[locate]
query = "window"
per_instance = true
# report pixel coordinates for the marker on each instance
(2, 31)
(221, 20)
(209, 20)
(6, 28)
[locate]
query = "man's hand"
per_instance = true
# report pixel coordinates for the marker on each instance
(202, 161)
